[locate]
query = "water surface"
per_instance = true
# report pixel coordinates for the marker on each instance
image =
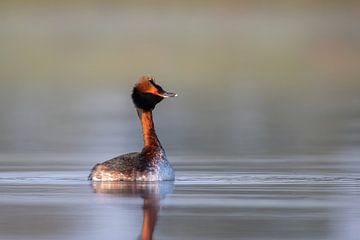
(264, 135)
(252, 199)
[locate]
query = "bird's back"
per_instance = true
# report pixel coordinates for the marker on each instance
(117, 169)
(132, 167)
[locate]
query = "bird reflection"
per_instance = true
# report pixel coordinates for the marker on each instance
(151, 192)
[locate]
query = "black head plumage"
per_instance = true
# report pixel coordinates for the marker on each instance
(146, 93)
(145, 101)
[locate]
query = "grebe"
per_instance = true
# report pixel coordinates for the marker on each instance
(150, 164)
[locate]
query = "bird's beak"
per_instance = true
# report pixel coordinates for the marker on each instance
(165, 94)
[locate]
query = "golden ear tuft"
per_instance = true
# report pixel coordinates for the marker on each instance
(144, 84)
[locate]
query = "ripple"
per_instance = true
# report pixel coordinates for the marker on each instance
(184, 178)
(44, 177)
(224, 178)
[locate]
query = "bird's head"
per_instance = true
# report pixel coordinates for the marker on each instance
(146, 93)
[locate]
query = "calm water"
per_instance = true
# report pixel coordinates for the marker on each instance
(248, 199)
(264, 135)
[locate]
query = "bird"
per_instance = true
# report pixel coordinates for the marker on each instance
(151, 163)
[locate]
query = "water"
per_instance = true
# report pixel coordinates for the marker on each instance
(249, 199)
(264, 135)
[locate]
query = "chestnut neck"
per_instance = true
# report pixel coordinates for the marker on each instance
(150, 138)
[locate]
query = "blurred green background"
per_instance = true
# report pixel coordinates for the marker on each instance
(253, 77)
